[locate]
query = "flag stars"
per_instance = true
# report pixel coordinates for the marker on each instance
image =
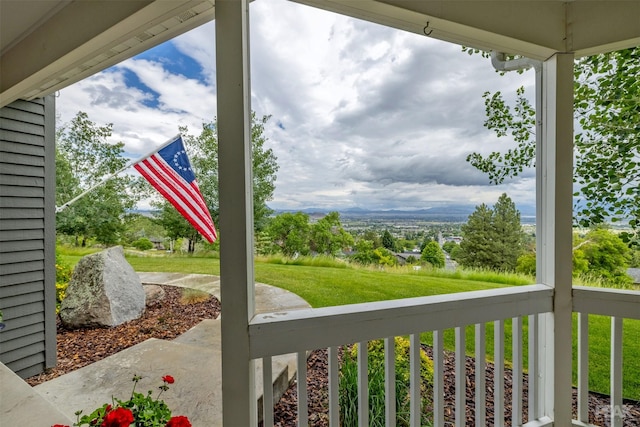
(178, 164)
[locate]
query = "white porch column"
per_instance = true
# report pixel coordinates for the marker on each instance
(554, 197)
(236, 211)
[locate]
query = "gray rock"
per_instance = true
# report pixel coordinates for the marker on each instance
(104, 291)
(153, 294)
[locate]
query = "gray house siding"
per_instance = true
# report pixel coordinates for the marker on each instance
(27, 235)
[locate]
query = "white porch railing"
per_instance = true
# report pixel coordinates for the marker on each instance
(618, 305)
(305, 330)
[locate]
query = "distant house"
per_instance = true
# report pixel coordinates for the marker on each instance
(402, 257)
(635, 275)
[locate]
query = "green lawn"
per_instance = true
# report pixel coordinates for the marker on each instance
(330, 286)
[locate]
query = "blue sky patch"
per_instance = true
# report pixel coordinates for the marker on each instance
(173, 61)
(131, 80)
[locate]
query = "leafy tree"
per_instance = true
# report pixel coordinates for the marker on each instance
(264, 244)
(373, 237)
(508, 233)
(364, 252)
(455, 253)
(176, 226)
(607, 138)
(406, 244)
(411, 260)
(388, 241)
(492, 237)
(142, 244)
(527, 263)
(367, 254)
(85, 158)
(476, 246)
(291, 233)
(137, 226)
(384, 256)
(328, 236)
(635, 258)
(448, 246)
(203, 153)
(433, 254)
(606, 255)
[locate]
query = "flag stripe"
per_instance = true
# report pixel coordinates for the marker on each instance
(170, 178)
(205, 227)
(187, 200)
(177, 184)
(186, 206)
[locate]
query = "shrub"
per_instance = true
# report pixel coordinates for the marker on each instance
(142, 244)
(193, 296)
(349, 383)
(63, 276)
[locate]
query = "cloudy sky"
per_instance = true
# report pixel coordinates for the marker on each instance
(362, 115)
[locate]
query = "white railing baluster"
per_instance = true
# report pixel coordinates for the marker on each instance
(461, 377)
(334, 388)
(516, 389)
(301, 378)
(363, 385)
(267, 392)
(532, 388)
(583, 367)
(480, 377)
(438, 379)
(390, 381)
(414, 382)
(616, 372)
(498, 373)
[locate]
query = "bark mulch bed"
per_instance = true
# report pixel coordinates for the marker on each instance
(170, 318)
(167, 319)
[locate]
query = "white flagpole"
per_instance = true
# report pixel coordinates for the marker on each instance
(107, 178)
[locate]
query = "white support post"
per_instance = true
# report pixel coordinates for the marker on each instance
(480, 375)
(533, 412)
(334, 385)
(516, 379)
(616, 372)
(390, 381)
(415, 380)
(301, 380)
(461, 377)
(363, 384)
(267, 391)
(239, 406)
(554, 226)
(583, 367)
(498, 373)
(438, 378)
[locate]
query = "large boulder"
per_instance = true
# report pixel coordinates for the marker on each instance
(104, 291)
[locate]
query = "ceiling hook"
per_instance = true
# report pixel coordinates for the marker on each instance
(424, 30)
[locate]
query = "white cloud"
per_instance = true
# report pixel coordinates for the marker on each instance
(362, 115)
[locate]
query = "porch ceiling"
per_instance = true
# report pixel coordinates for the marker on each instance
(46, 45)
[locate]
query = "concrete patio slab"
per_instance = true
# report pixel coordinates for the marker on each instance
(21, 405)
(193, 359)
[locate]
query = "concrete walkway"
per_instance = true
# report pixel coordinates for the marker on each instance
(193, 359)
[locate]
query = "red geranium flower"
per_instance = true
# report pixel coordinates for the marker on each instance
(121, 417)
(59, 425)
(179, 421)
(168, 379)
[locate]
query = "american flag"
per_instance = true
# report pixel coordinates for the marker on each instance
(169, 171)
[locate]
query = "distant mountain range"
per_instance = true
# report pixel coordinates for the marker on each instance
(454, 212)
